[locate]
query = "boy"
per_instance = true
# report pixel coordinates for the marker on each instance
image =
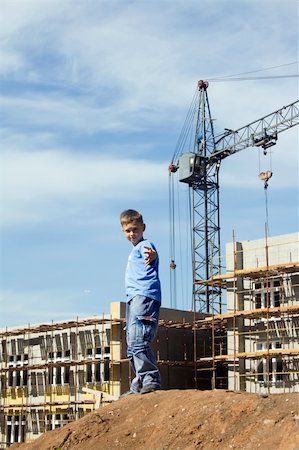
(143, 293)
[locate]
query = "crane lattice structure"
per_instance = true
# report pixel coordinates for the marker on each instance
(199, 165)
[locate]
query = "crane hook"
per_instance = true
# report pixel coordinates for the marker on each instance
(265, 176)
(172, 264)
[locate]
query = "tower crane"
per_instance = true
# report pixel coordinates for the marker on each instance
(197, 161)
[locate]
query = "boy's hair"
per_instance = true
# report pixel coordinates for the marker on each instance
(129, 216)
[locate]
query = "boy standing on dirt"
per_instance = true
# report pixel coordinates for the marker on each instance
(143, 293)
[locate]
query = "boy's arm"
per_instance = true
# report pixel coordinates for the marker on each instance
(149, 255)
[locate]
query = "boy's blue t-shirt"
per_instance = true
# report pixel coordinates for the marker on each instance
(141, 280)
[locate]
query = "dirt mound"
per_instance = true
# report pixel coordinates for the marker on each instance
(184, 420)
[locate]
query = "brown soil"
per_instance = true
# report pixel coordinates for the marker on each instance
(182, 420)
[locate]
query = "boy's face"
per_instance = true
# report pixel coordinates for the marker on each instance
(134, 231)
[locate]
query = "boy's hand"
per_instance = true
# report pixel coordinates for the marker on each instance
(149, 255)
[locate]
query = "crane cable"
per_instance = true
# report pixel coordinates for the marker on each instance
(181, 144)
(172, 273)
(265, 176)
(179, 149)
(178, 281)
(236, 76)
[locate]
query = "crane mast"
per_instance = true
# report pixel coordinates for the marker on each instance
(198, 165)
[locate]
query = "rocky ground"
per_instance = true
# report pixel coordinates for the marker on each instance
(182, 420)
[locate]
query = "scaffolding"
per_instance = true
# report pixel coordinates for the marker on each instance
(43, 372)
(260, 346)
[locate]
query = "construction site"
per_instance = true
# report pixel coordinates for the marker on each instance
(53, 374)
(242, 334)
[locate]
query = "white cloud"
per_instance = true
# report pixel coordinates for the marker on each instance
(10, 62)
(37, 186)
(78, 114)
(94, 94)
(138, 57)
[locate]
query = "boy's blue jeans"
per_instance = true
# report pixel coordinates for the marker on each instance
(142, 323)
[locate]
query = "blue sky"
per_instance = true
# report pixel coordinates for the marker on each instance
(93, 98)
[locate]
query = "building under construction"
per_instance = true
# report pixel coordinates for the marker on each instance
(54, 373)
(262, 318)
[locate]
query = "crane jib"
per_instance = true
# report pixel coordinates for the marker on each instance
(260, 133)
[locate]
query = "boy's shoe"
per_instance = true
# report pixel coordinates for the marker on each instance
(148, 388)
